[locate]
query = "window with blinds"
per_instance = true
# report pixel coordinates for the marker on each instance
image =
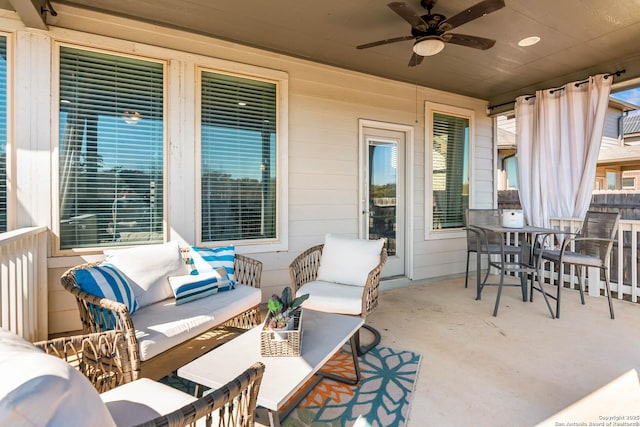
(449, 169)
(3, 134)
(111, 178)
(238, 158)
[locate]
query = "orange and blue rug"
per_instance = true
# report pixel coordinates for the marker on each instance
(382, 398)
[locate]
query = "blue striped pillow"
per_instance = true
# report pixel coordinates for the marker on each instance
(208, 259)
(192, 287)
(106, 281)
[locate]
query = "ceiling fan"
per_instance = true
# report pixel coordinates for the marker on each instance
(430, 31)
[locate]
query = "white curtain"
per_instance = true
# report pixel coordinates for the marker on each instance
(558, 135)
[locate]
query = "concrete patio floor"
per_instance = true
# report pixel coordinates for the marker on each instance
(515, 369)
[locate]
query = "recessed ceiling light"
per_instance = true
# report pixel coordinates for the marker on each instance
(529, 41)
(242, 104)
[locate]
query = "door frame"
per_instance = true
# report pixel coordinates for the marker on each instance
(409, 132)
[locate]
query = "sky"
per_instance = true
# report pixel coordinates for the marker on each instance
(631, 95)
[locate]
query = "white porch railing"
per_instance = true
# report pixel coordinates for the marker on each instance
(623, 262)
(23, 274)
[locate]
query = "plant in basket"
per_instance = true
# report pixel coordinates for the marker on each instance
(282, 309)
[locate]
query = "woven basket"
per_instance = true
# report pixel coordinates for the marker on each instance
(283, 342)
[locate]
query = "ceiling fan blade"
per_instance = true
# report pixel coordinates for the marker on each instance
(387, 41)
(469, 41)
(474, 12)
(409, 15)
(415, 60)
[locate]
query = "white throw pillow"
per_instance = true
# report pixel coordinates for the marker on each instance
(38, 389)
(148, 268)
(347, 260)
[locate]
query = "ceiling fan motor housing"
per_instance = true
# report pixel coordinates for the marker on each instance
(432, 21)
(428, 4)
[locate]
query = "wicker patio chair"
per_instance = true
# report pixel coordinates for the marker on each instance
(233, 404)
(100, 314)
(591, 248)
(103, 359)
(304, 269)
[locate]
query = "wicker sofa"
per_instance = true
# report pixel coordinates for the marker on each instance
(93, 385)
(163, 335)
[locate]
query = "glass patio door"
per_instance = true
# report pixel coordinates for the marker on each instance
(383, 204)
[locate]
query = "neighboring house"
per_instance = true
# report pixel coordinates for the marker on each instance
(507, 177)
(618, 162)
(619, 159)
(631, 127)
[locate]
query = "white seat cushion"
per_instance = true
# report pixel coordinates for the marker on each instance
(347, 260)
(332, 297)
(38, 389)
(164, 324)
(143, 400)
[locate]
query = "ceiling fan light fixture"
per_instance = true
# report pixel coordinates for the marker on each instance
(428, 46)
(528, 41)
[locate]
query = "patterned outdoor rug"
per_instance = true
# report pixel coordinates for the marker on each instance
(381, 399)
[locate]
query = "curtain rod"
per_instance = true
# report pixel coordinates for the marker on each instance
(606, 76)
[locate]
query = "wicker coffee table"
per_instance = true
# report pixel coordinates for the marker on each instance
(323, 335)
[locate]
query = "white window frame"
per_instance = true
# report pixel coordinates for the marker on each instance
(55, 122)
(629, 187)
(430, 109)
(281, 79)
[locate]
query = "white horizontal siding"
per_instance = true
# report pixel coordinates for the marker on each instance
(611, 130)
(325, 104)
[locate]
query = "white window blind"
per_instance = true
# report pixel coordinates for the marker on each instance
(3, 134)
(111, 150)
(450, 170)
(238, 158)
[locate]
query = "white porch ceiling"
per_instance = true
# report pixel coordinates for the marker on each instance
(579, 38)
